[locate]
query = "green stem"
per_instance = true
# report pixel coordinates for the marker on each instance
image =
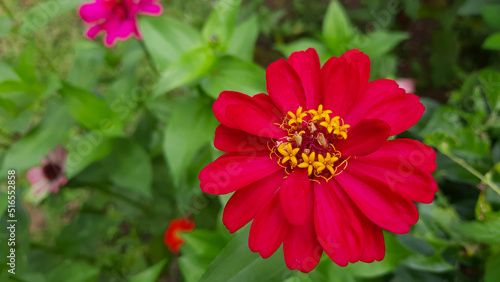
(149, 58)
(7, 11)
(473, 171)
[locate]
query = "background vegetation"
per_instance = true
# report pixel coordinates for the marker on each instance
(131, 175)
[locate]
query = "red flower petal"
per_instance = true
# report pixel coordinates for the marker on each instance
(284, 87)
(307, 66)
(403, 166)
(374, 240)
(385, 208)
(337, 226)
(93, 12)
(225, 99)
(268, 229)
(171, 237)
(232, 140)
(364, 138)
(254, 122)
(293, 196)
(383, 99)
(301, 247)
(233, 171)
(246, 202)
(341, 82)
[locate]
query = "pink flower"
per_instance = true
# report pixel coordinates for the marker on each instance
(408, 84)
(116, 18)
(50, 176)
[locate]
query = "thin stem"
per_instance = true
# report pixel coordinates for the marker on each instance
(148, 57)
(7, 11)
(484, 179)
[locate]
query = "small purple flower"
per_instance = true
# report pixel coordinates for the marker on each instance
(51, 175)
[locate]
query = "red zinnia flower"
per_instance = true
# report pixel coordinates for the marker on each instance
(116, 18)
(311, 164)
(171, 237)
(51, 175)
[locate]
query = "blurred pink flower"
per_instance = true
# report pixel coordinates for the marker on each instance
(116, 18)
(49, 176)
(408, 84)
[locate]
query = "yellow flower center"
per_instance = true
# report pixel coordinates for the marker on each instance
(310, 143)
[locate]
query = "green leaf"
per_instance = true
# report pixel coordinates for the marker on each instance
(242, 43)
(191, 127)
(26, 67)
(492, 271)
(5, 26)
(51, 131)
(492, 42)
(219, 27)
(132, 170)
(428, 264)
(237, 263)
(482, 231)
(473, 7)
(167, 39)
(490, 15)
(85, 150)
(303, 44)
(394, 253)
(38, 16)
(199, 250)
(189, 67)
(490, 85)
(337, 28)
(379, 43)
(151, 274)
(88, 62)
(234, 74)
(75, 272)
(90, 111)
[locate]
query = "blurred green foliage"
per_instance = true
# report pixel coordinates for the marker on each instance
(138, 125)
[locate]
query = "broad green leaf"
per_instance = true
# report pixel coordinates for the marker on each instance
(7, 72)
(337, 28)
(482, 231)
(90, 111)
(5, 26)
(394, 254)
(191, 127)
(122, 96)
(85, 150)
(492, 271)
(492, 42)
(428, 264)
(51, 131)
(75, 272)
(151, 274)
(26, 66)
(237, 263)
(242, 43)
(189, 67)
(85, 234)
(490, 83)
(219, 27)
(199, 250)
(167, 39)
(132, 170)
(234, 74)
(38, 16)
(88, 62)
(490, 15)
(378, 43)
(303, 44)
